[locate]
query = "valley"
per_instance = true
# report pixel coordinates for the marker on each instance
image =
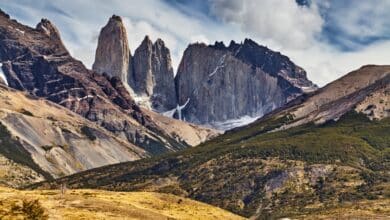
(236, 131)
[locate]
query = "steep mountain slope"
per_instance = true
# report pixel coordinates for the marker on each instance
(222, 87)
(153, 75)
(242, 80)
(113, 55)
(299, 171)
(53, 141)
(366, 90)
(148, 75)
(35, 60)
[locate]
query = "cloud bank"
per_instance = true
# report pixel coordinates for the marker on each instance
(328, 38)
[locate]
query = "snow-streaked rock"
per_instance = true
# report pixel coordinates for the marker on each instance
(231, 86)
(3, 78)
(152, 75)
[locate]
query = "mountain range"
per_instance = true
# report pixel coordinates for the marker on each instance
(216, 86)
(240, 127)
(34, 60)
(323, 150)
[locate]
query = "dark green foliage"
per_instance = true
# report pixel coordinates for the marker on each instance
(87, 131)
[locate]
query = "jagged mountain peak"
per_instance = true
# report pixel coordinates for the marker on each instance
(48, 28)
(152, 78)
(113, 53)
(40, 65)
(2, 13)
(159, 42)
(241, 82)
(146, 43)
(116, 18)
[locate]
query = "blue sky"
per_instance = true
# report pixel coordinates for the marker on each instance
(326, 37)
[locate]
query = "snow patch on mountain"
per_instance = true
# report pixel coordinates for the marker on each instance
(178, 109)
(220, 65)
(232, 123)
(2, 75)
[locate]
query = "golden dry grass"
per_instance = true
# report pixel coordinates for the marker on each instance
(367, 209)
(99, 204)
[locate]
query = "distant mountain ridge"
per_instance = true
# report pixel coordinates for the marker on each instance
(215, 85)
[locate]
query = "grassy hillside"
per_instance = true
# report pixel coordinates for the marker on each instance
(303, 170)
(98, 204)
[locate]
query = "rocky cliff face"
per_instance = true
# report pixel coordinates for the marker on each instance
(221, 84)
(153, 75)
(148, 75)
(35, 60)
(113, 54)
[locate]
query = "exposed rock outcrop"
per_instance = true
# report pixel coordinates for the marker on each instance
(240, 81)
(153, 75)
(148, 75)
(53, 141)
(113, 54)
(220, 86)
(36, 61)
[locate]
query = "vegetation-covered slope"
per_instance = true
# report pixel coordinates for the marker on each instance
(322, 151)
(300, 170)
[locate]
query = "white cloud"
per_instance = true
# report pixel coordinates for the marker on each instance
(280, 21)
(284, 26)
(86, 18)
(278, 24)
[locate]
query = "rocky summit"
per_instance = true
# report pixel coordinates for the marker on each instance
(113, 54)
(222, 87)
(230, 86)
(36, 61)
(152, 75)
(148, 75)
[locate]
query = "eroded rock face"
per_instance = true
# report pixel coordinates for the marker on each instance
(35, 60)
(113, 54)
(215, 85)
(148, 75)
(224, 83)
(153, 74)
(53, 141)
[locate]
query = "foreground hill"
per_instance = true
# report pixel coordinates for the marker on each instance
(98, 204)
(263, 170)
